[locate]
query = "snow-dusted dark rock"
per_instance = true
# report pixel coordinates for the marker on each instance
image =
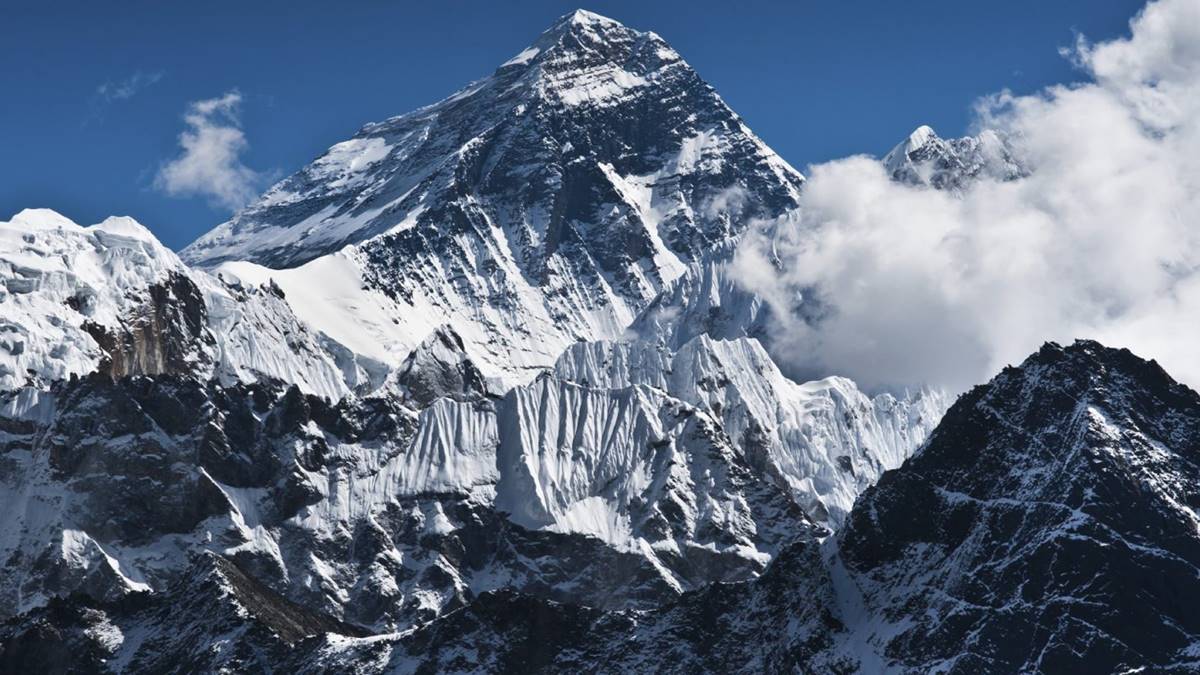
(439, 368)
(1049, 525)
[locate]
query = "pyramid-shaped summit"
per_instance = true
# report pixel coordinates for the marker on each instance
(554, 197)
(587, 88)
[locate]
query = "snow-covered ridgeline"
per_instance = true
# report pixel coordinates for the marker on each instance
(55, 276)
(825, 439)
(65, 289)
(924, 158)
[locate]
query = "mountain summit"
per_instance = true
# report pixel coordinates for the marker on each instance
(588, 90)
(544, 204)
(924, 158)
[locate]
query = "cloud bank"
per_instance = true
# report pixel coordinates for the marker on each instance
(899, 285)
(210, 164)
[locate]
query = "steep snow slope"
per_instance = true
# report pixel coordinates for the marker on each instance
(642, 472)
(824, 441)
(546, 203)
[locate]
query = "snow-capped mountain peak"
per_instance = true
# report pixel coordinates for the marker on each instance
(581, 23)
(924, 158)
(544, 204)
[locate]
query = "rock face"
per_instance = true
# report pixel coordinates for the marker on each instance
(1057, 527)
(164, 335)
(1047, 526)
(439, 368)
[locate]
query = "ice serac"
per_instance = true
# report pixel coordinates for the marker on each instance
(924, 158)
(76, 299)
(822, 441)
(545, 203)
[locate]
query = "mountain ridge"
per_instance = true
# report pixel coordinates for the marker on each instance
(905, 586)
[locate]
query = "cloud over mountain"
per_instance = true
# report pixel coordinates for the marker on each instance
(904, 283)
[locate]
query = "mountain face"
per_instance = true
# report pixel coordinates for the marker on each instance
(1047, 526)
(1058, 526)
(623, 477)
(544, 204)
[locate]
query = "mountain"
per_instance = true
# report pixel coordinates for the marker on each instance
(924, 158)
(599, 483)
(544, 204)
(110, 298)
(479, 390)
(1058, 528)
(1048, 525)
(307, 434)
(485, 355)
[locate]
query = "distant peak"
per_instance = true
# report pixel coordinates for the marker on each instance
(582, 17)
(898, 157)
(43, 219)
(921, 135)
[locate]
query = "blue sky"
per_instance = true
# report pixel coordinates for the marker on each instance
(94, 93)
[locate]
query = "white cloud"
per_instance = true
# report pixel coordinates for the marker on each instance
(1101, 240)
(127, 88)
(210, 164)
